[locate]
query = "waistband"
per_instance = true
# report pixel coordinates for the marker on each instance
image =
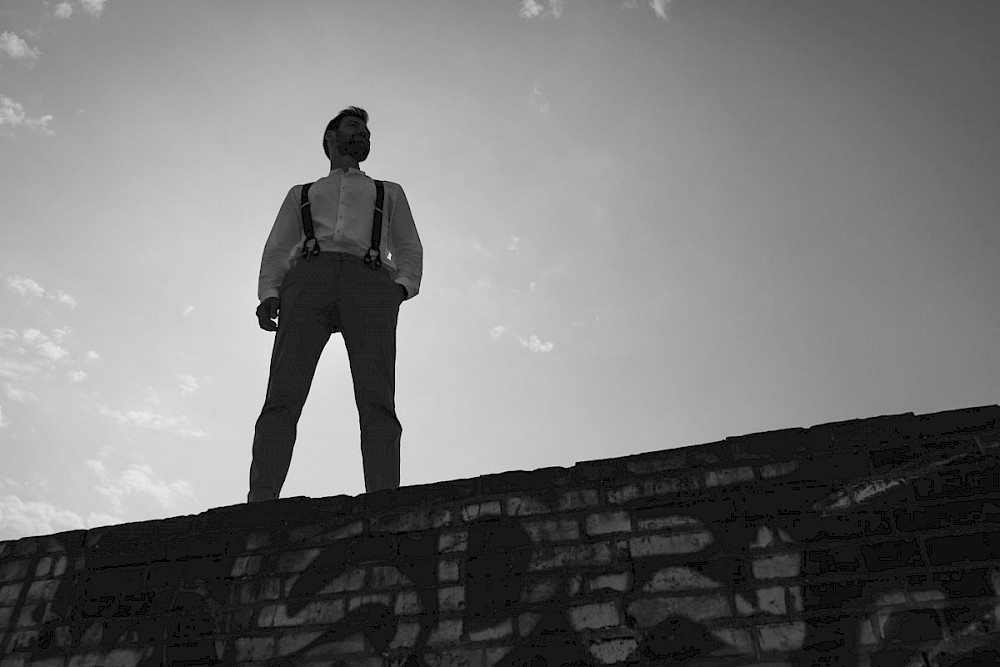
(331, 255)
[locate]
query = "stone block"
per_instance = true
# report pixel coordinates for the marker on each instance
(13, 570)
(447, 631)
(780, 637)
(728, 476)
(554, 530)
(657, 545)
(548, 558)
(618, 582)
(613, 651)
(451, 598)
(477, 511)
(777, 566)
(608, 522)
(952, 549)
(594, 616)
(254, 648)
(448, 570)
(498, 631)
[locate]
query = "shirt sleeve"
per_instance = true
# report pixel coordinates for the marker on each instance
(407, 251)
(285, 234)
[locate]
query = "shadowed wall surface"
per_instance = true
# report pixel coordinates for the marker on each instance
(867, 542)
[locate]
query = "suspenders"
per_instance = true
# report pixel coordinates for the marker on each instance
(311, 245)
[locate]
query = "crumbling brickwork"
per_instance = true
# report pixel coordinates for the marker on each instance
(869, 542)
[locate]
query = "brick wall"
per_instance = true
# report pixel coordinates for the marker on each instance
(868, 542)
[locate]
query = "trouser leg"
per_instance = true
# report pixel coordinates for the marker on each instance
(369, 327)
(303, 331)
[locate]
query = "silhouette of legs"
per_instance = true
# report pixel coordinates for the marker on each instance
(329, 293)
(369, 327)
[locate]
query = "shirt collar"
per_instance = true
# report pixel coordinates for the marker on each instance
(349, 170)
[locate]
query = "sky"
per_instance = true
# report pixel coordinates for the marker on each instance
(646, 225)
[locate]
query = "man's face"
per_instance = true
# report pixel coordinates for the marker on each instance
(353, 138)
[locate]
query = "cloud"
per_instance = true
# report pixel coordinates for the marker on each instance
(537, 101)
(137, 479)
(533, 344)
(63, 10)
(188, 384)
(62, 297)
(44, 345)
(148, 419)
(19, 518)
(12, 115)
(530, 9)
(52, 347)
(14, 369)
(534, 8)
(188, 309)
(660, 7)
(52, 351)
(16, 48)
(25, 286)
(92, 357)
(29, 287)
(3, 420)
(93, 7)
(20, 395)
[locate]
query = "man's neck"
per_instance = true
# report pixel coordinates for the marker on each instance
(343, 162)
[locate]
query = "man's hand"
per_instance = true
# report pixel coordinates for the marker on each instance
(267, 311)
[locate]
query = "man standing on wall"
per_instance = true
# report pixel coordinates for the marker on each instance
(323, 272)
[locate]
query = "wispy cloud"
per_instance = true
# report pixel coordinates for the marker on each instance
(188, 384)
(19, 518)
(16, 48)
(12, 116)
(660, 7)
(16, 369)
(23, 518)
(137, 479)
(54, 347)
(3, 420)
(93, 7)
(538, 101)
(25, 286)
(31, 288)
(20, 395)
(148, 419)
(532, 343)
(530, 9)
(188, 309)
(44, 345)
(63, 10)
(533, 8)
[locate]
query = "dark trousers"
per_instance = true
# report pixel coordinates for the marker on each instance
(331, 292)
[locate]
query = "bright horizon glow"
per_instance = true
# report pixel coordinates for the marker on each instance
(646, 225)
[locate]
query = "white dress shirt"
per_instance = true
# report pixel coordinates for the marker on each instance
(343, 208)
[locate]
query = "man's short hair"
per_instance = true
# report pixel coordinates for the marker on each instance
(334, 124)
